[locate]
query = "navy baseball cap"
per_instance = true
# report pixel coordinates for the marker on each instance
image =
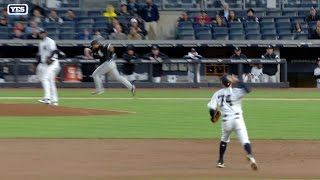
(269, 47)
(237, 49)
(130, 47)
(224, 80)
(155, 47)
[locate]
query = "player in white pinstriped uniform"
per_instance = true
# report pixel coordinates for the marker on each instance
(317, 73)
(228, 101)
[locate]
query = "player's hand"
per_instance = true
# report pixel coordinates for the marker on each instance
(232, 79)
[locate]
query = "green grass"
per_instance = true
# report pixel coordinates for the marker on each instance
(166, 118)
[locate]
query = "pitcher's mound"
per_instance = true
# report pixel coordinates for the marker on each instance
(46, 110)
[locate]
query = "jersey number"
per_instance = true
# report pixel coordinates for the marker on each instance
(228, 99)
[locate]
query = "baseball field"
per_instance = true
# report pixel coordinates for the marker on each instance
(158, 135)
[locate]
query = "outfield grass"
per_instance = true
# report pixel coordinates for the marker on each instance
(182, 118)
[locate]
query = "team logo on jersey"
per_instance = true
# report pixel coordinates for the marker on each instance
(17, 9)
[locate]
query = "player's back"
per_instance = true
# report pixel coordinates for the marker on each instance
(228, 100)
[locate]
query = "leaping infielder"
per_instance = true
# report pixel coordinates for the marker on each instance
(228, 101)
(107, 66)
(48, 68)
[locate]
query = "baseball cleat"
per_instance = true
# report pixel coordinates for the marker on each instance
(252, 162)
(44, 101)
(54, 104)
(133, 90)
(97, 92)
(220, 164)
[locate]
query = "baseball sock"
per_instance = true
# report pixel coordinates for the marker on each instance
(223, 147)
(247, 147)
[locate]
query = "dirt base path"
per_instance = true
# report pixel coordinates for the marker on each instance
(47, 159)
(46, 110)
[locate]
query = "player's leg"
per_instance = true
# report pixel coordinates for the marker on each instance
(113, 71)
(40, 74)
(273, 79)
(265, 78)
(198, 73)
(226, 128)
(100, 71)
(242, 134)
(46, 84)
(54, 91)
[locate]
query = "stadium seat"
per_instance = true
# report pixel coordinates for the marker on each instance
(185, 31)
(268, 31)
(100, 26)
(284, 30)
(303, 12)
(297, 19)
(286, 37)
(67, 35)
(237, 25)
(252, 25)
(289, 13)
(186, 37)
(301, 36)
(237, 37)
(253, 36)
(260, 14)
(4, 29)
(202, 30)
(266, 19)
(284, 25)
(220, 36)
(53, 35)
(67, 30)
(4, 35)
(53, 30)
(312, 25)
(268, 25)
(187, 24)
(94, 13)
(274, 13)
(269, 37)
(99, 19)
(204, 36)
(84, 25)
(68, 25)
(282, 20)
(235, 31)
(252, 31)
(220, 30)
(52, 25)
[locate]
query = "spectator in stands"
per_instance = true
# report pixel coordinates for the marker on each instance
(158, 57)
(32, 25)
(86, 35)
(118, 34)
(316, 73)
(150, 14)
(37, 16)
(226, 11)
(17, 34)
(19, 26)
(133, 7)
(97, 35)
(298, 28)
(140, 29)
(202, 23)
(313, 15)
(124, 10)
(269, 70)
(250, 16)
(232, 17)
(4, 13)
(203, 15)
(233, 68)
(219, 21)
(128, 68)
(194, 67)
(110, 13)
(316, 33)
(3, 21)
(34, 34)
(70, 16)
(54, 17)
(184, 17)
(134, 35)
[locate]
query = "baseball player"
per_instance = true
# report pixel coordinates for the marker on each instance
(269, 70)
(48, 68)
(317, 73)
(228, 101)
(107, 66)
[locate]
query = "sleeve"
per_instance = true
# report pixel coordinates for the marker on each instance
(157, 17)
(164, 56)
(146, 56)
(213, 104)
(241, 90)
(52, 46)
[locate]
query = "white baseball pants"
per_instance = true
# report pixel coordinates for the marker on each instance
(234, 123)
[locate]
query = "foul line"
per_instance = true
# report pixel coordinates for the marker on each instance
(186, 98)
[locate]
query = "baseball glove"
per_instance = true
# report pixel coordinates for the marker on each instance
(216, 117)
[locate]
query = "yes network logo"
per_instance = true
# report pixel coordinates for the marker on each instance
(17, 9)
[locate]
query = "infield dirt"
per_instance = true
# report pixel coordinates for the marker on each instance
(67, 159)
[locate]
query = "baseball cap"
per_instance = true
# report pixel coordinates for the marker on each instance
(130, 47)
(93, 43)
(133, 20)
(237, 49)
(41, 30)
(203, 11)
(250, 9)
(269, 47)
(193, 50)
(155, 47)
(224, 80)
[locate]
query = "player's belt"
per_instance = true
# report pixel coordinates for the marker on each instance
(235, 114)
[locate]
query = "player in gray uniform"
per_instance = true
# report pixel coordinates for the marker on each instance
(228, 101)
(107, 66)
